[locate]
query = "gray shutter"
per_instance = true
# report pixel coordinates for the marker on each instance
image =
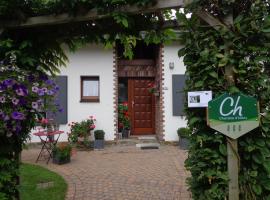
(61, 117)
(178, 84)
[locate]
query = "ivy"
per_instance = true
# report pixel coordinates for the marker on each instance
(208, 50)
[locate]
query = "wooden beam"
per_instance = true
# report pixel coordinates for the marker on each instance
(91, 15)
(212, 21)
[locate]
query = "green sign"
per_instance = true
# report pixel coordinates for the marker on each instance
(233, 115)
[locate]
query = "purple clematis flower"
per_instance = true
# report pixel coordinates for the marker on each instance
(50, 92)
(2, 99)
(22, 92)
(45, 90)
(43, 77)
(31, 78)
(6, 118)
(15, 101)
(8, 82)
(2, 114)
(35, 89)
(17, 115)
(49, 82)
(41, 92)
(35, 105)
(22, 101)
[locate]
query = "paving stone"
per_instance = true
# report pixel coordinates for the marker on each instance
(122, 173)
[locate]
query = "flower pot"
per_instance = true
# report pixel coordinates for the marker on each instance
(99, 144)
(183, 143)
(61, 160)
(125, 133)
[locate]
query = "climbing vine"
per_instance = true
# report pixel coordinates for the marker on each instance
(40, 51)
(209, 48)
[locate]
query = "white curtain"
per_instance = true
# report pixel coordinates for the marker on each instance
(90, 88)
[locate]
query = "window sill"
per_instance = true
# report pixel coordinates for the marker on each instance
(89, 100)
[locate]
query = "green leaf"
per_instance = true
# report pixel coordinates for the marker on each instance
(233, 90)
(219, 55)
(182, 52)
(253, 173)
(125, 22)
(198, 84)
(193, 120)
(213, 74)
(258, 158)
(223, 149)
(257, 189)
(260, 142)
(223, 62)
(266, 30)
(266, 184)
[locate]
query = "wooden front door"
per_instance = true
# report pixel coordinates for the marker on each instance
(142, 106)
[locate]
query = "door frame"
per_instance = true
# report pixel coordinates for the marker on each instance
(140, 131)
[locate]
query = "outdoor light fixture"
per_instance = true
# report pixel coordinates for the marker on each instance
(171, 65)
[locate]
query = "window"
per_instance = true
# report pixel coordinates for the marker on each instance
(89, 89)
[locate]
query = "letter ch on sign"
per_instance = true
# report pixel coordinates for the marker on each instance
(234, 110)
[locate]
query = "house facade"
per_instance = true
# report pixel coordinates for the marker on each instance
(96, 81)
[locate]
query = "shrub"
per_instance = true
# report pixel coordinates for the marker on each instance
(62, 151)
(81, 129)
(184, 132)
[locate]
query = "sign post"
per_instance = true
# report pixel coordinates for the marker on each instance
(233, 115)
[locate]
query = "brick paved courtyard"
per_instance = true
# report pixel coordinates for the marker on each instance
(122, 173)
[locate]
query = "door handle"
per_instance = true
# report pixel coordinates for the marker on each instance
(132, 104)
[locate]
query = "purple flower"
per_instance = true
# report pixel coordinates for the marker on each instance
(31, 78)
(45, 90)
(17, 115)
(49, 82)
(22, 102)
(40, 92)
(8, 82)
(15, 101)
(22, 92)
(50, 92)
(35, 105)
(56, 87)
(43, 77)
(2, 115)
(2, 99)
(35, 89)
(6, 118)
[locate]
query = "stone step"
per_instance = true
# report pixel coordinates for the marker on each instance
(148, 145)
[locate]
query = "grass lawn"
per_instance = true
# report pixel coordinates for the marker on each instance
(52, 187)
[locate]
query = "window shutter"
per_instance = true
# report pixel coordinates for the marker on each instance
(61, 117)
(178, 84)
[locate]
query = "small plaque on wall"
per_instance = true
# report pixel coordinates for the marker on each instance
(199, 99)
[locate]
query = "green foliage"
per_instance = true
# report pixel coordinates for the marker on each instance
(81, 129)
(244, 45)
(32, 175)
(99, 134)
(62, 151)
(184, 132)
(123, 116)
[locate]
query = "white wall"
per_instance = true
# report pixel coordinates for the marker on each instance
(172, 123)
(92, 61)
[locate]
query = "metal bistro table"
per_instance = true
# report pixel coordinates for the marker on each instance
(48, 142)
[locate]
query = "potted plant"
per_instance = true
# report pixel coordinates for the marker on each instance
(153, 88)
(61, 153)
(123, 119)
(99, 139)
(184, 134)
(80, 132)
